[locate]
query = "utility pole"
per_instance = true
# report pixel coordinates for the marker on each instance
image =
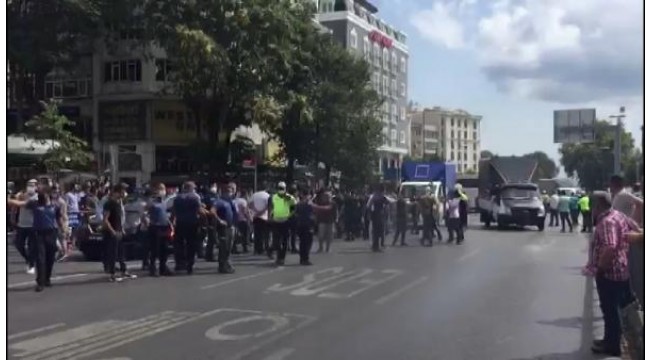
(618, 139)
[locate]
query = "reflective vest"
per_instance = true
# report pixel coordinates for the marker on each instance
(583, 203)
(281, 207)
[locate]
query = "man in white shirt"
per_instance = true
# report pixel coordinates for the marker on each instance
(624, 201)
(553, 203)
(259, 206)
(24, 238)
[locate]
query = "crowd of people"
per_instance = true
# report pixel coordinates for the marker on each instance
(220, 219)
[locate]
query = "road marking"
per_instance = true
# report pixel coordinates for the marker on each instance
(280, 354)
(252, 276)
(308, 290)
(311, 278)
(369, 283)
(261, 344)
(277, 322)
(469, 255)
(35, 331)
(399, 291)
(56, 278)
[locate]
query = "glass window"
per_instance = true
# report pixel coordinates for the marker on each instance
(402, 89)
(393, 61)
(393, 87)
(70, 89)
(402, 64)
(402, 137)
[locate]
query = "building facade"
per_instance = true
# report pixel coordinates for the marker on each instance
(355, 25)
(453, 135)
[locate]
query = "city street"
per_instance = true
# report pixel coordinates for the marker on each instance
(501, 295)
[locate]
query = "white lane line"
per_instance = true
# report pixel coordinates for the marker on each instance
(273, 338)
(401, 290)
(56, 278)
(252, 276)
(35, 331)
(280, 354)
(468, 255)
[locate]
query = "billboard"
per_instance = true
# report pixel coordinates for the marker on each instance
(574, 126)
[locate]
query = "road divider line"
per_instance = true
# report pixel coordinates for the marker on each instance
(56, 278)
(280, 354)
(252, 276)
(469, 255)
(34, 331)
(400, 291)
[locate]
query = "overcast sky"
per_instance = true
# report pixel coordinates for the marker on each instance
(515, 61)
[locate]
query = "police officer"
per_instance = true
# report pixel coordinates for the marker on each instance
(159, 232)
(186, 210)
(225, 212)
(280, 206)
(208, 200)
(376, 209)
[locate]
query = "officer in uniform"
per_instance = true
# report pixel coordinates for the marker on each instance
(280, 206)
(186, 210)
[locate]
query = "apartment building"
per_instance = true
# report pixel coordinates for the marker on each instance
(355, 24)
(453, 135)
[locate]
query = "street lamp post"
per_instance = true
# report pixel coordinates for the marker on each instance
(617, 139)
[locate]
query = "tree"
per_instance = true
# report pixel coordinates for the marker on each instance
(226, 56)
(44, 35)
(486, 154)
(68, 151)
(346, 113)
(547, 169)
(594, 162)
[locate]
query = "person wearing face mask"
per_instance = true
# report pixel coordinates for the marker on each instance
(62, 236)
(159, 232)
(47, 220)
(224, 212)
(186, 210)
(208, 200)
(24, 231)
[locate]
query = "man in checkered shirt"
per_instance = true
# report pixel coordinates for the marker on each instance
(609, 263)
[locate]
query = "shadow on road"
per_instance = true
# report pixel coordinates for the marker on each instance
(585, 323)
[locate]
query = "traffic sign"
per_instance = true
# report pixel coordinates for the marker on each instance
(574, 126)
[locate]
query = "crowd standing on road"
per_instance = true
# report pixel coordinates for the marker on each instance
(193, 223)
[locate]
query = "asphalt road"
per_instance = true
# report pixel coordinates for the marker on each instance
(500, 295)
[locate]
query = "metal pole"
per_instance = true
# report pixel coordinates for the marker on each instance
(618, 139)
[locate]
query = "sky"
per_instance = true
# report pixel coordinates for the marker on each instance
(515, 61)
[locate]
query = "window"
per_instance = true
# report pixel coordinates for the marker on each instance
(474, 125)
(402, 64)
(393, 112)
(393, 136)
(402, 137)
(465, 156)
(366, 49)
(384, 131)
(385, 85)
(451, 144)
(403, 113)
(465, 134)
(386, 108)
(353, 38)
(386, 60)
(69, 88)
(474, 148)
(452, 156)
(163, 69)
(452, 122)
(393, 87)
(393, 62)
(452, 135)
(402, 89)
(465, 123)
(124, 70)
